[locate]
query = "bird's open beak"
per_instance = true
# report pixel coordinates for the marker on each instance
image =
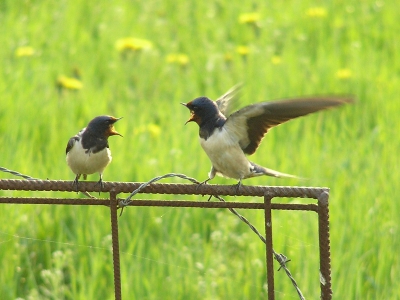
(112, 130)
(192, 115)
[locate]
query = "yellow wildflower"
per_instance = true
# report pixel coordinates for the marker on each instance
(249, 18)
(133, 44)
(276, 60)
(69, 83)
(154, 130)
(243, 50)
(228, 56)
(316, 12)
(178, 58)
(24, 51)
(344, 74)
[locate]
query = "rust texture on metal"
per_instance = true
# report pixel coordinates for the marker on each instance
(324, 247)
(267, 192)
(269, 247)
(115, 245)
(163, 188)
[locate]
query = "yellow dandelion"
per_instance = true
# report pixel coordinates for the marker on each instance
(243, 50)
(276, 60)
(133, 44)
(178, 58)
(344, 74)
(249, 18)
(228, 56)
(154, 130)
(24, 51)
(69, 83)
(316, 12)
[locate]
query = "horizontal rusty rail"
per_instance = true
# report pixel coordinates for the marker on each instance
(163, 188)
(160, 203)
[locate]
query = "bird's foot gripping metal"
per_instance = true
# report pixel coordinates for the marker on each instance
(100, 183)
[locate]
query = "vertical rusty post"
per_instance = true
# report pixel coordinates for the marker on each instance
(324, 246)
(269, 250)
(115, 244)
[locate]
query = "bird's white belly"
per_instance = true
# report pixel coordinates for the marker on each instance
(226, 155)
(87, 163)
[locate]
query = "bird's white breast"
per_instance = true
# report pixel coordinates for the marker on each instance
(81, 162)
(225, 154)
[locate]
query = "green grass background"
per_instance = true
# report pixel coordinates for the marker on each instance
(62, 252)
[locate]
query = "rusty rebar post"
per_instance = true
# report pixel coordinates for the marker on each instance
(324, 246)
(269, 251)
(115, 245)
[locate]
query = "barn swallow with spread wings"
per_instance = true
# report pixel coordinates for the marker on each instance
(228, 139)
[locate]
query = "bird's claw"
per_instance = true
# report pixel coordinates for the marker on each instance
(237, 186)
(203, 182)
(75, 184)
(101, 184)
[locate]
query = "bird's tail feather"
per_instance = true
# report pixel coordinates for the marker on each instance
(259, 171)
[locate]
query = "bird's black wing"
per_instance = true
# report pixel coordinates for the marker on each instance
(73, 140)
(225, 103)
(71, 143)
(249, 124)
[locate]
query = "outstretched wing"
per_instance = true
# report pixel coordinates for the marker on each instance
(251, 123)
(226, 101)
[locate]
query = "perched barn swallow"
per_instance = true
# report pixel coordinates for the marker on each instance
(88, 151)
(227, 140)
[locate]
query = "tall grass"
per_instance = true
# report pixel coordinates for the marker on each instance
(342, 47)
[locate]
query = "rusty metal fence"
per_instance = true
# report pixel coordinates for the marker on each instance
(266, 192)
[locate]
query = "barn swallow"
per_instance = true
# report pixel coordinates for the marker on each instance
(88, 151)
(228, 139)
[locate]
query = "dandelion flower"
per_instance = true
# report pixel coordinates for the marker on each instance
(243, 50)
(154, 130)
(133, 44)
(24, 51)
(249, 18)
(69, 83)
(178, 58)
(316, 12)
(276, 60)
(228, 56)
(344, 74)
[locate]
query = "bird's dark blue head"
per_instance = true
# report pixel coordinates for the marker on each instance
(202, 110)
(103, 125)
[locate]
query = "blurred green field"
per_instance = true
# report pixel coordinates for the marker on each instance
(286, 49)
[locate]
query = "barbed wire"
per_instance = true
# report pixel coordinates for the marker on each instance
(280, 258)
(27, 177)
(17, 174)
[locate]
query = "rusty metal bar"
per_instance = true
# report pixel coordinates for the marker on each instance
(168, 203)
(324, 247)
(269, 247)
(60, 201)
(115, 245)
(162, 188)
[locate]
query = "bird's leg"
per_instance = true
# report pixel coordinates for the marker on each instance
(211, 175)
(238, 185)
(75, 182)
(100, 183)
